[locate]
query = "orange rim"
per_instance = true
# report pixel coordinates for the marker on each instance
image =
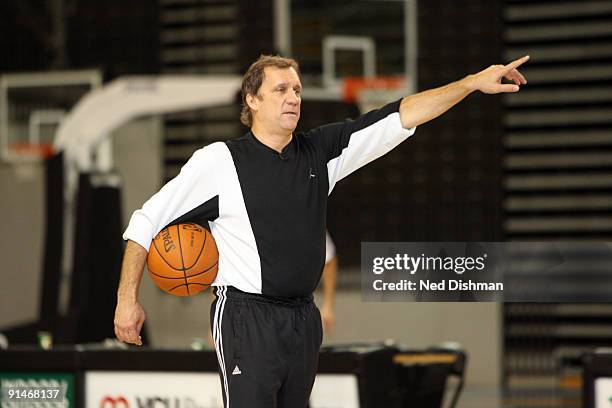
(44, 150)
(353, 85)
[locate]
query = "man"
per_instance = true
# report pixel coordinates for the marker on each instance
(329, 279)
(264, 196)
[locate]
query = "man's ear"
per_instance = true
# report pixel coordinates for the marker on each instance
(252, 101)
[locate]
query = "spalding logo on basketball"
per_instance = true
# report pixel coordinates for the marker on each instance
(183, 259)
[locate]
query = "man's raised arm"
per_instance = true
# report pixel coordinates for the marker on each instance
(424, 106)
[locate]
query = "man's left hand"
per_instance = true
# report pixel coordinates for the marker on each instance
(328, 318)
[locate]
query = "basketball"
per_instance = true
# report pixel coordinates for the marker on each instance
(183, 259)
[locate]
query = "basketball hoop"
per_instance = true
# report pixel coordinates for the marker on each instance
(25, 158)
(23, 151)
(373, 93)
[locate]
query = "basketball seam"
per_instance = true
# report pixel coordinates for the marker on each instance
(190, 276)
(162, 257)
(178, 233)
(201, 249)
(187, 285)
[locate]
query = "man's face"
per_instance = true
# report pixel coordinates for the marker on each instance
(277, 104)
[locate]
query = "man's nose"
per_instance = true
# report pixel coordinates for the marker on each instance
(293, 98)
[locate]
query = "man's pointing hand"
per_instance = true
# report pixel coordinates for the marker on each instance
(489, 80)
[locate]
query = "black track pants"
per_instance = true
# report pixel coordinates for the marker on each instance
(268, 348)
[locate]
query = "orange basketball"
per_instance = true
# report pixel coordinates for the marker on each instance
(183, 259)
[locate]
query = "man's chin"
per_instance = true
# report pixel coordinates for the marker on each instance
(289, 125)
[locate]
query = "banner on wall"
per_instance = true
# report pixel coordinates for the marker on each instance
(335, 390)
(121, 389)
(603, 393)
(131, 389)
(37, 390)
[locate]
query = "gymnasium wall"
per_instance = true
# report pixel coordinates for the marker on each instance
(21, 241)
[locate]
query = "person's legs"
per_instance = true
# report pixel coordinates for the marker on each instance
(256, 342)
(242, 384)
(297, 385)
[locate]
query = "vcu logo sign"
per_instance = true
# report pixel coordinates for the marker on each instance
(152, 402)
(117, 402)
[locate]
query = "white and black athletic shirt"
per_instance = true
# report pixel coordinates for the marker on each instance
(267, 210)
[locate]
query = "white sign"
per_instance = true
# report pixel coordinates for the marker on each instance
(141, 389)
(335, 391)
(603, 393)
(138, 389)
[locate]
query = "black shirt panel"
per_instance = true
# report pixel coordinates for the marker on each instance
(335, 137)
(202, 214)
(286, 199)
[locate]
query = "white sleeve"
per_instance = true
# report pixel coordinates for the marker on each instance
(352, 144)
(194, 185)
(366, 145)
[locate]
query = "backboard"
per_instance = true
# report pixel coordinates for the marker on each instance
(339, 39)
(32, 106)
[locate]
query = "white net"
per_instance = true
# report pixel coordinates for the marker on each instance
(373, 98)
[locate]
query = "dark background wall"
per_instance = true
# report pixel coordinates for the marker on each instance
(122, 37)
(444, 183)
